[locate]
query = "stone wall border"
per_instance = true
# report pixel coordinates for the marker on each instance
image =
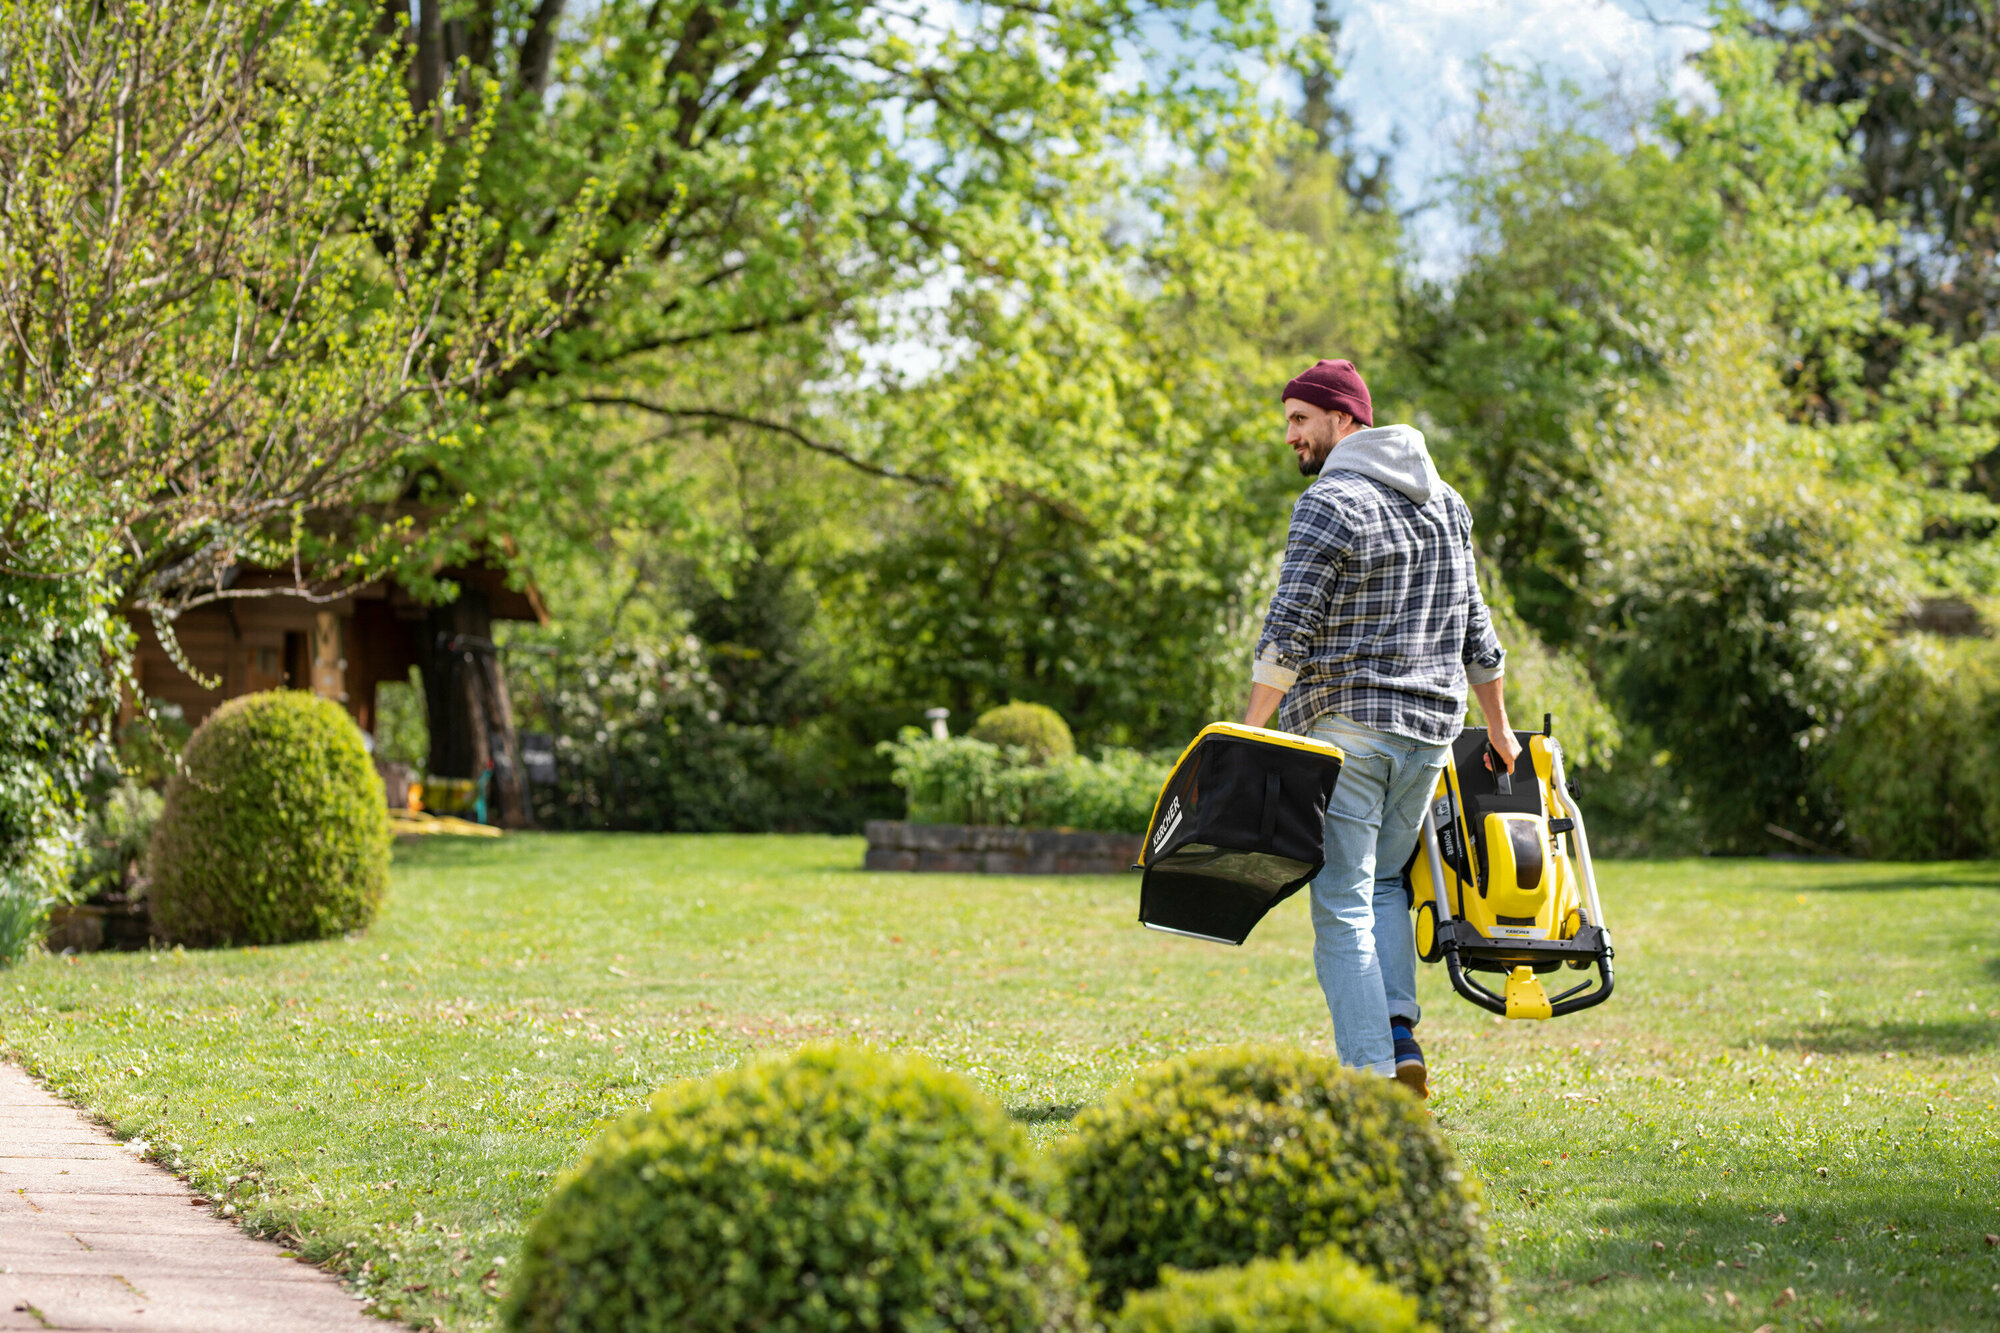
(978, 849)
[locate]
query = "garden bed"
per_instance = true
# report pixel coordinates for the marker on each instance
(894, 844)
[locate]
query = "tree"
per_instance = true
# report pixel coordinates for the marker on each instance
(228, 297)
(1923, 81)
(236, 279)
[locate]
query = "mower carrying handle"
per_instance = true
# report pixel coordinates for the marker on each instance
(1578, 997)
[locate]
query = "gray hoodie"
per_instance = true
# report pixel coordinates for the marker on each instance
(1392, 455)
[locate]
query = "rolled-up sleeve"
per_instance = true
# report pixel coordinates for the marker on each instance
(1315, 553)
(1484, 657)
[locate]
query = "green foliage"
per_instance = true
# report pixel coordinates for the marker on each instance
(58, 638)
(831, 1189)
(115, 837)
(1912, 766)
(641, 742)
(1228, 1155)
(1037, 730)
(1922, 127)
(1541, 679)
(277, 830)
(1325, 1292)
(1747, 582)
(24, 915)
(958, 780)
(300, 286)
(964, 780)
(402, 726)
(1113, 793)
(150, 745)
(1707, 463)
(1109, 484)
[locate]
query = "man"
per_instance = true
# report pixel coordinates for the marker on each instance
(1375, 632)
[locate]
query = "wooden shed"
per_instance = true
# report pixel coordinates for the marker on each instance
(343, 649)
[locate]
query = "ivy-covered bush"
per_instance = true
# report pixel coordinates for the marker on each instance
(1036, 729)
(277, 830)
(1325, 1292)
(964, 780)
(59, 639)
(1224, 1156)
(832, 1189)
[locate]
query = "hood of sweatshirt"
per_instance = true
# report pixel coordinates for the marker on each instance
(1392, 455)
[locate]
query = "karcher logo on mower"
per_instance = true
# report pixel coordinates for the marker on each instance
(1170, 822)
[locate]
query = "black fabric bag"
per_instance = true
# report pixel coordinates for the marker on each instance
(1239, 828)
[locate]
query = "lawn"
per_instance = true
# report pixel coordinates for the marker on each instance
(1786, 1116)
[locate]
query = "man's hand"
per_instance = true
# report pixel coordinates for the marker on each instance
(1493, 707)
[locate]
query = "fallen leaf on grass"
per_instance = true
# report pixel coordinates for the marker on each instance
(1708, 1297)
(1732, 1298)
(1779, 1220)
(1992, 1240)
(1765, 1328)
(1602, 1277)
(1785, 1297)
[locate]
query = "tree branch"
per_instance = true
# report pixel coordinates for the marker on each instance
(758, 423)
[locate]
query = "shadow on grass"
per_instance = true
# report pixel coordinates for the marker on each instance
(1047, 1113)
(1953, 1036)
(1893, 1254)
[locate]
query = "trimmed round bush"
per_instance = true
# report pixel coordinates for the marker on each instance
(1036, 728)
(836, 1188)
(276, 830)
(1325, 1292)
(1224, 1156)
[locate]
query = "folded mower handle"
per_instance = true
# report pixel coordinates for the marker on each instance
(1576, 998)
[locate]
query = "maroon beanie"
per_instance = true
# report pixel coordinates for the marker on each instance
(1334, 386)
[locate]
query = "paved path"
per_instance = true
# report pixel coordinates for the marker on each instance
(92, 1238)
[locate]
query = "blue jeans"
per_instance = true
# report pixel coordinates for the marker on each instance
(1362, 946)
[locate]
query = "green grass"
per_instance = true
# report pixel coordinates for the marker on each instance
(1793, 1091)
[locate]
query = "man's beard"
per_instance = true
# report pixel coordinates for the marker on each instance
(1310, 466)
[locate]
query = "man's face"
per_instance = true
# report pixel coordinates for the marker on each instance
(1312, 432)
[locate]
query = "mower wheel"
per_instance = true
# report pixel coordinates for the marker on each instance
(1428, 946)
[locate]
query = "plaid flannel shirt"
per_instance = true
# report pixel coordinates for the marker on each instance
(1378, 614)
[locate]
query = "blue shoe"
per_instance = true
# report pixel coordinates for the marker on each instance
(1410, 1070)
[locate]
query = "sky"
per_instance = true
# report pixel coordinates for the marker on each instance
(1412, 72)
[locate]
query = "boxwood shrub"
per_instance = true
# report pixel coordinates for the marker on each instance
(275, 830)
(1224, 1156)
(836, 1188)
(1035, 728)
(1325, 1292)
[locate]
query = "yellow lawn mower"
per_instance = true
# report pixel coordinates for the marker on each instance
(1494, 885)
